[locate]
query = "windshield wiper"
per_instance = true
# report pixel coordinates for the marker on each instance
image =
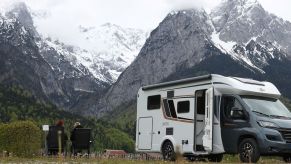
(261, 113)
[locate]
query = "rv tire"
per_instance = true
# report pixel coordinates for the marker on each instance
(249, 151)
(168, 151)
(215, 158)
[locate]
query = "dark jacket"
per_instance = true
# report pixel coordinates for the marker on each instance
(72, 137)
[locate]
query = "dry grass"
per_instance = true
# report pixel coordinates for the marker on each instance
(180, 160)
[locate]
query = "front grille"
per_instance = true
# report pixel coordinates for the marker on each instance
(286, 133)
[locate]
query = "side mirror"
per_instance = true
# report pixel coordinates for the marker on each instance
(237, 113)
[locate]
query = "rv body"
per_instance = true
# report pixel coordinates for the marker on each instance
(210, 115)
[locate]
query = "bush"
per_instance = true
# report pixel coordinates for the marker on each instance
(117, 139)
(21, 138)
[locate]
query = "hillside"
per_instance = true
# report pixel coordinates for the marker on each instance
(19, 104)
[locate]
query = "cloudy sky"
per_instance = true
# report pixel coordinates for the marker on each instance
(65, 15)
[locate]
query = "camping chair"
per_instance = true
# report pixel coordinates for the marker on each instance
(82, 140)
(52, 140)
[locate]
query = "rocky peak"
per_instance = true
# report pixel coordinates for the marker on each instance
(180, 25)
(240, 21)
(236, 13)
(20, 12)
(190, 18)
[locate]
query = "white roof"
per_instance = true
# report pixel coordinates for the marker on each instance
(235, 85)
(246, 86)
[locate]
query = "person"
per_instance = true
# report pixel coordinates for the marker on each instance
(52, 136)
(77, 125)
(61, 123)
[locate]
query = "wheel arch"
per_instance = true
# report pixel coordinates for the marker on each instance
(244, 136)
(168, 139)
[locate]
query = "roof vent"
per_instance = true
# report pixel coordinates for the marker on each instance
(170, 94)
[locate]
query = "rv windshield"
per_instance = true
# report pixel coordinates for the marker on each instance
(267, 107)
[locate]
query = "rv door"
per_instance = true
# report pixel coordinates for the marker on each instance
(207, 138)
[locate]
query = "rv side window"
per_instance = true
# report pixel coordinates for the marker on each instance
(183, 107)
(154, 102)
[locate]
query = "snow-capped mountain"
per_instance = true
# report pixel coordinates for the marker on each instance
(63, 74)
(30, 62)
(239, 23)
(109, 48)
(238, 38)
(104, 50)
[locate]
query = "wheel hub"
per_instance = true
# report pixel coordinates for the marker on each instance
(247, 150)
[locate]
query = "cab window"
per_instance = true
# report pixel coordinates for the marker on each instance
(232, 108)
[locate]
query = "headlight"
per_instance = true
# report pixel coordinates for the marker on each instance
(267, 124)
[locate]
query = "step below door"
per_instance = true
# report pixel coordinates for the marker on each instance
(145, 135)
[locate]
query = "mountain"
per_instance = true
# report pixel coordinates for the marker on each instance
(104, 50)
(238, 38)
(69, 76)
(240, 21)
(28, 61)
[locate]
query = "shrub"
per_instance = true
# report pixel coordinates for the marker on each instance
(117, 139)
(21, 138)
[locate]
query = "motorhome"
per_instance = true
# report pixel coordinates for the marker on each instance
(212, 115)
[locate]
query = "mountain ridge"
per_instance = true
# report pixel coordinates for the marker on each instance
(186, 43)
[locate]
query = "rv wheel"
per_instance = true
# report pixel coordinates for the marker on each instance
(168, 151)
(215, 158)
(248, 151)
(287, 158)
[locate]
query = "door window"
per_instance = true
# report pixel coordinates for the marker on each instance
(200, 100)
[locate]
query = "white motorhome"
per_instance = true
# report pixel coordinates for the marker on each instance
(210, 115)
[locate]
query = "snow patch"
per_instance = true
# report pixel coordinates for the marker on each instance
(226, 47)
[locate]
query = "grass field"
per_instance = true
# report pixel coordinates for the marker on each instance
(52, 160)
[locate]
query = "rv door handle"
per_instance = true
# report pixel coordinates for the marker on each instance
(138, 133)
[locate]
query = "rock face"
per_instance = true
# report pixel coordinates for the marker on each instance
(238, 38)
(22, 64)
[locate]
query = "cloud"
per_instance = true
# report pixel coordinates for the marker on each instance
(186, 4)
(65, 16)
(280, 8)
